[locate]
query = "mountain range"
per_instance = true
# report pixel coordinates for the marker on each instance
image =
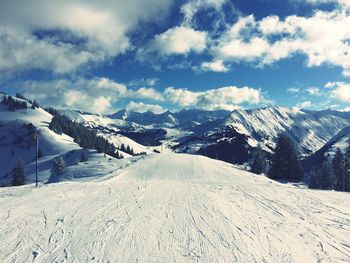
(224, 135)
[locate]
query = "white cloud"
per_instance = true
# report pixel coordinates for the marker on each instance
(304, 104)
(144, 82)
(102, 94)
(146, 93)
(215, 66)
(313, 91)
(191, 8)
(179, 40)
(340, 90)
(222, 98)
(293, 90)
(92, 95)
(238, 50)
(322, 37)
(344, 3)
(142, 107)
(62, 36)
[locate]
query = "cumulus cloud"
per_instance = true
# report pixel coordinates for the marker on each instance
(322, 38)
(62, 36)
(293, 90)
(345, 3)
(192, 7)
(142, 107)
(179, 40)
(146, 82)
(92, 95)
(340, 90)
(215, 66)
(222, 98)
(304, 105)
(313, 91)
(101, 95)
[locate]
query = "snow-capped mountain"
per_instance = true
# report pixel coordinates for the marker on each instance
(228, 136)
(174, 208)
(165, 119)
(310, 130)
(340, 141)
(183, 118)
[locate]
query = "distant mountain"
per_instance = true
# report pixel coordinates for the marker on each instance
(184, 118)
(241, 131)
(340, 141)
(229, 136)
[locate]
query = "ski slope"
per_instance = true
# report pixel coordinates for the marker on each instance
(174, 208)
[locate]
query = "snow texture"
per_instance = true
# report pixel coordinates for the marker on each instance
(174, 208)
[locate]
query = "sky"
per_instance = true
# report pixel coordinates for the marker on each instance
(158, 55)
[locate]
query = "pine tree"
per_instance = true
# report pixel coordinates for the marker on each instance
(18, 177)
(285, 163)
(57, 169)
(346, 178)
(338, 163)
(314, 181)
(258, 162)
(83, 157)
(326, 177)
(58, 165)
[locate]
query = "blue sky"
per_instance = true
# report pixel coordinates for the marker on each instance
(160, 54)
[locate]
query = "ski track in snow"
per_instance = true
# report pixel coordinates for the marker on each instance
(182, 217)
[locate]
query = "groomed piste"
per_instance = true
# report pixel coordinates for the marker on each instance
(174, 208)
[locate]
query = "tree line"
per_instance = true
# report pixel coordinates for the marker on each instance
(14, 104)
(334, 174)
(82, 135)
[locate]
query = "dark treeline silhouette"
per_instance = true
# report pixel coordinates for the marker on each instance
(82, 135)
(285, 164)
(14, 104)
(334, 174)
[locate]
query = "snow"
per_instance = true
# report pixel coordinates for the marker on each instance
(118, 140)
(262, 126)
(109, 128)
(11, 126)
(174, 208)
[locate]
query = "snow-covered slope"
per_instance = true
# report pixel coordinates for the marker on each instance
(165, 119)
(218, 134)
(17, 140)
(174, 208)
(340, 141)
(183, 118)
(264, 125)
(238, 134)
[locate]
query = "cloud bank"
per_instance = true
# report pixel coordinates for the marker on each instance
(101, 95)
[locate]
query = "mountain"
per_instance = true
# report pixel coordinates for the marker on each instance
(17, 129)
(165, 119)
(340, 141)
(182, 119)
(228, 136)
(240, 132)
(174, 208)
